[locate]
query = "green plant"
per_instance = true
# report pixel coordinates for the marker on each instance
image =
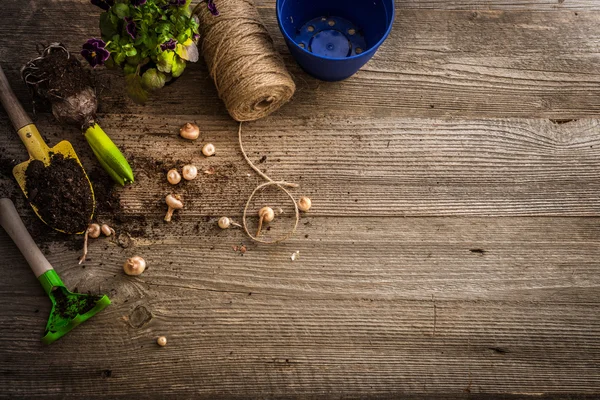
(150, 40)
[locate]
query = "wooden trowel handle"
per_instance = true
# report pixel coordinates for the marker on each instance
(13, 225)
(15, 111)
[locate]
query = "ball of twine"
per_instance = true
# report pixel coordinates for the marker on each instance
(248, 72)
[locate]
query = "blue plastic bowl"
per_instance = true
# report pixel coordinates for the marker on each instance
(332, 39)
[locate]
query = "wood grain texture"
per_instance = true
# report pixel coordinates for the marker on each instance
(452, 250)
(363, 166)
(448, 305)
(523, 5)
(436, 63)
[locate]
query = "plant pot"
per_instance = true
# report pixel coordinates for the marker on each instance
(333, 39)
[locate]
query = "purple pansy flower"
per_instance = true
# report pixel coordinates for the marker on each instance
(137, 3)
(212, 7)
(131, 28)
(94, 52)
(177, 3)
(195, 37)
(103, 4)
(169, 45)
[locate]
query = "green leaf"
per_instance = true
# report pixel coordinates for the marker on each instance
(129, 69)
(181, 38)
(188, 52)
(163, 37)
(110, 63)
(163, 27)
(109, 155)
(186, 8)
(134, 60)
(178, 67)
(135, 89)
(164, 61)
(153, 79)
(131, 52)
(119, 58)
(122, 10)
(108, 27)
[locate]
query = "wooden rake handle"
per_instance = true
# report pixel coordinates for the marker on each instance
(15, 111)
(13, 225)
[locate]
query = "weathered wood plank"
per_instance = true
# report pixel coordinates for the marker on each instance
(362, 166)
(447, 306)
(378, 304)
(436, 63)
(522, 5)
(526, 5)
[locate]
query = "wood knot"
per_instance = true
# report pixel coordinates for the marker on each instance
(561, 121)
(139, 317)
(124, 240)
(498, 350)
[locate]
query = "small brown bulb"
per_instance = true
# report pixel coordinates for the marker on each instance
(107, 230)
(94, 231)
(174, 203)
(208, 150)
(189, 131)
(304, 203)
(189, 172)
(134, 265)
(173, 177)
(267, 214)
(224, 222)
(161, 341)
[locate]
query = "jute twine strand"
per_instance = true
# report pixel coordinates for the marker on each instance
(248, 72)
(279, 184)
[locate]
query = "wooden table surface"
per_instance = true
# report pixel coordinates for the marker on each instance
(453, 248)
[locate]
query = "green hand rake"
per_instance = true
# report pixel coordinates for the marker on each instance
(68, 309)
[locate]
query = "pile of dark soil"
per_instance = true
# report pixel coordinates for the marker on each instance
(60, 76)
(61, 193)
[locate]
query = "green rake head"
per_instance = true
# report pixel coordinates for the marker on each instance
(68, 309)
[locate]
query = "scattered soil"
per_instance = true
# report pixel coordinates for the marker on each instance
(7, 189)
(109, 210)
(61, 193)
(242, 249)
(107, 198)
(6, 165)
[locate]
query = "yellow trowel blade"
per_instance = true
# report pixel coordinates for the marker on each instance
(66, 149)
